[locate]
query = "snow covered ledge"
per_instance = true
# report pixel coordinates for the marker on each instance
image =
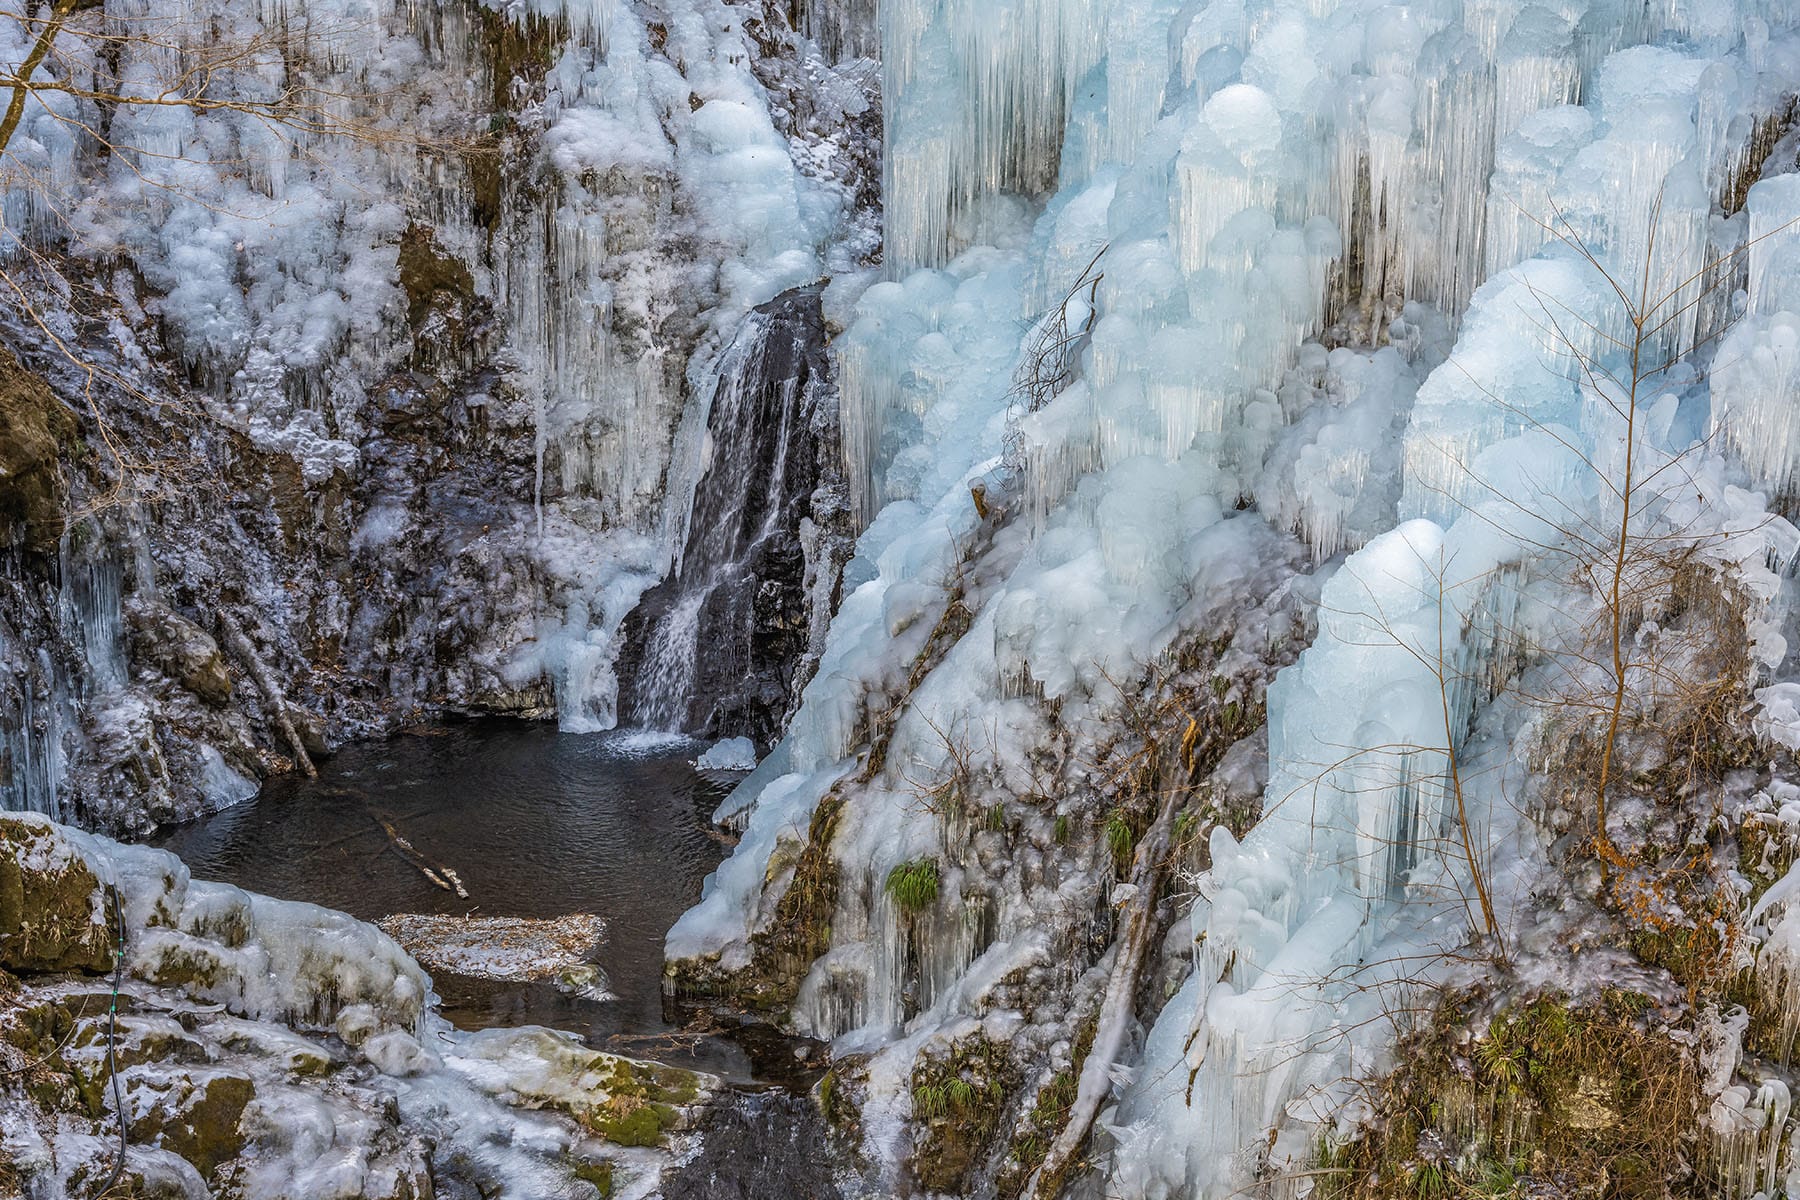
(272, 1048)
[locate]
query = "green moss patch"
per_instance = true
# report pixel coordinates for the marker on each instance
(913, 886)
(958, 1101)
(1586, 1100)
(50, 915)
(198, 1120)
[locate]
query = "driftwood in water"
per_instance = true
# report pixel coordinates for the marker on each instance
(272, 693)
(438, 873)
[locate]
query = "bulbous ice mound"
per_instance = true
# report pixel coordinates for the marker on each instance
(729, 754)
(263, 959)
(1244, 117)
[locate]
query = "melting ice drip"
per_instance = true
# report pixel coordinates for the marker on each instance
(751, 470)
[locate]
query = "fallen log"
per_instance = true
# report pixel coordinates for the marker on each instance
(273, 696)
(1117, 1007)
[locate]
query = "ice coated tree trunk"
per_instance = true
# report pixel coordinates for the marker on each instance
(1116, 1007)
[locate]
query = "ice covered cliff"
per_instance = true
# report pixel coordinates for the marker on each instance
(1446, 346)
(381, 348)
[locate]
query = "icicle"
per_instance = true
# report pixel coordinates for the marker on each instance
(93, 618)
(976, 98)
(1756, 398)
(1773, 250)
(31, 748)
(1456, 118)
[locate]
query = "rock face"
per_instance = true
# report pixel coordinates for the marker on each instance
(724, 645)
(35, 427)
(416, 441)
(266, 1048)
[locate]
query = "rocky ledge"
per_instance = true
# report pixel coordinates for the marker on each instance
(266, 1049)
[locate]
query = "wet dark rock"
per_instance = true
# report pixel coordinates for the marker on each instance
(754, 1145)
(724, 646)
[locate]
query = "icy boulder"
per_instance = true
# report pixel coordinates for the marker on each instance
(628, 1102)
(261, 958)
(729, 754)
(269, 1049)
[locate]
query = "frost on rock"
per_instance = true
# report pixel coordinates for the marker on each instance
(558, 950)
(273, 1049)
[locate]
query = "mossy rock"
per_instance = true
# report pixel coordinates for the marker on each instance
(296, 1054)
(51, 915)
(198, 1119)
(958, 1101)
(631, 1121)
(194, 968)
(626, 1101)
(150, 1039)
(35, 429)
(650, 1081)
(799, 932)
(600, 1174)
(38, 1029)
(40, 1032)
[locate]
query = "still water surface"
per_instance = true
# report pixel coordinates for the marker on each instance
(537, 824)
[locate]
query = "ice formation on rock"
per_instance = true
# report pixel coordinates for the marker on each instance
(469, 221)
(297, 1041)
(1356, 264)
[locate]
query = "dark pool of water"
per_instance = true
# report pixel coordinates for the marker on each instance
(538, 824)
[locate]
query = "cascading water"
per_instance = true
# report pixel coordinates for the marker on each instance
(723, 643)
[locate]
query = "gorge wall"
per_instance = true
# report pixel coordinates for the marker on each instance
(376, 396)
(1321, 477)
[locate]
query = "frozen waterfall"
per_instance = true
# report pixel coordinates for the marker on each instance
(1356, 269)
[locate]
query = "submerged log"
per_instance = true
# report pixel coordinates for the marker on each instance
(438, 873)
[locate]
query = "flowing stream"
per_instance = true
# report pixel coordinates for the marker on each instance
(715, 649)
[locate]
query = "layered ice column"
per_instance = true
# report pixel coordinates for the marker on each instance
(1513, 457)
(1756, 376)
(976, 96)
